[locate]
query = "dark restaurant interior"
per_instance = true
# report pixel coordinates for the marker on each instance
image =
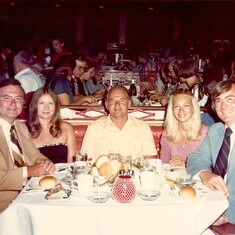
(198, 25)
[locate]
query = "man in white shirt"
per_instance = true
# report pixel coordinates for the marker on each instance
(119, 132)
(28, 79)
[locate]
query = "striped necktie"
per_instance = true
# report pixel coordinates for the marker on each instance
(221, 163)
(75, 83)
(16, 149)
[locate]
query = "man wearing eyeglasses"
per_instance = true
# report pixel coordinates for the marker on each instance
(214, 160)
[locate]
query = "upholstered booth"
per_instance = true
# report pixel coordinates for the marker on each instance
(80, 129)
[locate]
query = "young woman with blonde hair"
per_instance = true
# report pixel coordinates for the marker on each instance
(184, 130)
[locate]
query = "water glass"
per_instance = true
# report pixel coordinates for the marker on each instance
(79, 167)
(81, 156)
(128, 161)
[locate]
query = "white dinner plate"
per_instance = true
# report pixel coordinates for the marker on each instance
(175, 195)
(35, 184)
(155, 104)
(61, 167)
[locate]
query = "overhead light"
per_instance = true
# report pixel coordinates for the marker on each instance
(13, 4)
(101, 7)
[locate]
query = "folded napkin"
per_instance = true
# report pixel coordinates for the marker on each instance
(53, 193)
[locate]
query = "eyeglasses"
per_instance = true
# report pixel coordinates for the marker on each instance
(230, 100)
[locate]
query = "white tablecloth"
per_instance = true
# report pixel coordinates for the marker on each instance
(32, 214)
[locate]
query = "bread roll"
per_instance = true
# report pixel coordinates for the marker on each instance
(116, 166)
(105, 169)
(48, 181)
(94, 171)
(187, 192)
(172, 176)
(100, 160)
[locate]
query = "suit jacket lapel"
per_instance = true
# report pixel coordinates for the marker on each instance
(5, 149)
(217, 140)
(231, 166)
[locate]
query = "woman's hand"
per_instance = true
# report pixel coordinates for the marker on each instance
(177, 160)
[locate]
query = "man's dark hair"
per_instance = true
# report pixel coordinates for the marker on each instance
(11, 81)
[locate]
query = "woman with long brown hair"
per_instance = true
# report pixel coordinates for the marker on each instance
(53, 137)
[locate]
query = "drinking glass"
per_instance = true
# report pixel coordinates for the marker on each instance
(81, 156)
(127, 161)
(113, 155)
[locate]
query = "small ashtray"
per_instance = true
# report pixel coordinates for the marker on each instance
(149, 195)
(99, 197)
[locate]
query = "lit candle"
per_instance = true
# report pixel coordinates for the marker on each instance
(200, 64)
(111, 80)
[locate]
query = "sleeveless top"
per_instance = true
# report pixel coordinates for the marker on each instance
(57, 153)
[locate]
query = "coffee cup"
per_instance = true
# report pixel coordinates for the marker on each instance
(83, 183)
(148, 180)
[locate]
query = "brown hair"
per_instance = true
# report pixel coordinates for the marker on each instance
(89, 64)
(33, 123)
(221, 88)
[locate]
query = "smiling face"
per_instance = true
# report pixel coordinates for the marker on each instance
(182, 107)
(11, 102)
(118, 103)
(224, 105)
(46, 107)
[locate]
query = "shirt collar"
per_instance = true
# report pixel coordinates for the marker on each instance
(129, 122)
(231, 127)
(22, 72)
(5, 125)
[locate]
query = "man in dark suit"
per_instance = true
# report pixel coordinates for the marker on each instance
(12, 175)
(203, 162)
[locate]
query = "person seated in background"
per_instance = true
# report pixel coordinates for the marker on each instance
(38, 68)
(19, 158)
(53, 137)
(5, 53)
(87, 82)
(183, 129)
(216, 170)
(89, 72)
(188, 73)
(118, 132)
(95, 84)
(173, 80)
(98, 56)
(146, 64)
(22, 62)
(59, 50)
(63, 85)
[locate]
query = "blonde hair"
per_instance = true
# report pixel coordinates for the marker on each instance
(171, 124)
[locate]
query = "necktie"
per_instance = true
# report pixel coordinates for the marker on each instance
(75, 83)
(16, 149)
(221, 163)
